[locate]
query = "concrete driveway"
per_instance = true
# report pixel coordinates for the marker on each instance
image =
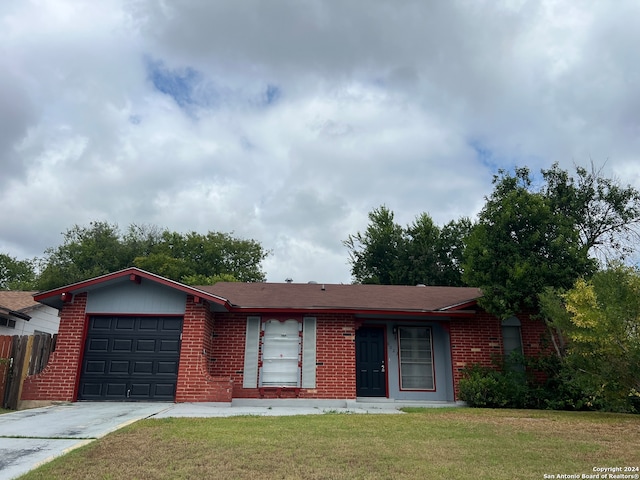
(29, 438)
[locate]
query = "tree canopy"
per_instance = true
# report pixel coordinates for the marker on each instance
(521, 245)
(527, 237)
(375, 254)
(420, 253)
(599, 325)
(101, 248)
(605, 213)
(16, 274)
(530, 238)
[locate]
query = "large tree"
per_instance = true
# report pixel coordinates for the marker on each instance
(530, 238)
(16, 274)
(521, 245)
(85, 252)
(433, 254)
(452, 243)
(100, 248)
(375, 254)
(605, 213)
(196, 257)
(421, 253)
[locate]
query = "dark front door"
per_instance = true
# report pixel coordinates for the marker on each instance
(370, 362)
(131, 358)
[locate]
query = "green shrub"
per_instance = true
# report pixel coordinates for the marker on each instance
(546, 382)
(487, 387)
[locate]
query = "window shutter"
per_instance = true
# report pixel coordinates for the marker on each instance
(309, 352)
(252, 345)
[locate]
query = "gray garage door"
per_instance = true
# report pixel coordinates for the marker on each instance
(131, 358)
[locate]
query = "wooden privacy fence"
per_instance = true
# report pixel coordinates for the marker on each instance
(20, 356)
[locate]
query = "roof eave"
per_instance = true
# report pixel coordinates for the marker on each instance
(53, 297)
(6, 313)
(353, 311)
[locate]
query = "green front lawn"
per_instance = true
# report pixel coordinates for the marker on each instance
(430, 443)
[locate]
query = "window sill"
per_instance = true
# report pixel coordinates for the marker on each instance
(279, 390)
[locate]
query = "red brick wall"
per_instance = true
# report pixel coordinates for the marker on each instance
(534, 336)
(474, 340)
(535, 340)
(227, 349)
(195, 381)
(478, 340)
(336, 351)
(335, 356)
(59, 379)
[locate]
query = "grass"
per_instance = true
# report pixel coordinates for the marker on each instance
(4, 410)
(424, 443)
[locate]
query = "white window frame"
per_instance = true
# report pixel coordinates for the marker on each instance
(7, 322)
(427, 363)
(271, 353)
(252, 373)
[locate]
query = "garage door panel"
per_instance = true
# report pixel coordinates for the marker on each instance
(119, 367)
(125, 323)
(169, 346)
(172, 324)
(146, 345)
(164, 390)
(142, 367)
(91, 390)
(136, 358)
(149, 324)
(122, 345)
(116, 389)
(96, 367)
(140, 390)
(101, 323)
(167, 368)
(98, 345)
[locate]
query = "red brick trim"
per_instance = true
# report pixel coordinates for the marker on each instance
(195, 384)
(59, 380)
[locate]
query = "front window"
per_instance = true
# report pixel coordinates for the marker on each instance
(281, 353)
(512, 341)
(7, 322)
(416, 358)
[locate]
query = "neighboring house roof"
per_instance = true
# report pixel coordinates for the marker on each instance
(343, 297)
(17, 303)
(256, 297)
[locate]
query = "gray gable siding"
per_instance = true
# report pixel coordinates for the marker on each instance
(132, 298)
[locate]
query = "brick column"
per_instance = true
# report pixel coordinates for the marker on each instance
(195, 384)
(59, 380)
(336, 356)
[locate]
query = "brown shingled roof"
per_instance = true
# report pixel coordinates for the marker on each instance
(361, 297)
(17, 300)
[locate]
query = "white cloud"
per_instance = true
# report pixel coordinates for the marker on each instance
(287, 122)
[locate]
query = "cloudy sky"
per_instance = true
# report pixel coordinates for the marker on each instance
(287, 121)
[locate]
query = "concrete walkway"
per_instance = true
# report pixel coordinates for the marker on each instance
(29, 438)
